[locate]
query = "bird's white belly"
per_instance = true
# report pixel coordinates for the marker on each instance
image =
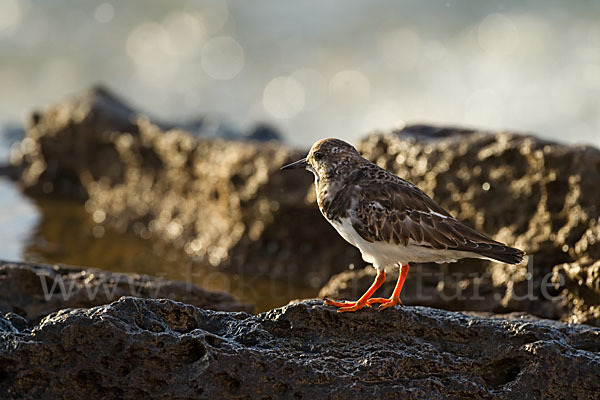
(382, 254)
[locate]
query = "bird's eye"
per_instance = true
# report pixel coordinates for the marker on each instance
(318, 155)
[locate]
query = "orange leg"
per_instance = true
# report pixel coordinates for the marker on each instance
(345, 306)
(395, 298)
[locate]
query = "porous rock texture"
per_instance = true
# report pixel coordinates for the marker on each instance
(34, 291)
(140, 348)
(540, 196)
(224, 203)
(581, 282)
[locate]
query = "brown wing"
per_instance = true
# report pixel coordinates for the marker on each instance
(398, 212)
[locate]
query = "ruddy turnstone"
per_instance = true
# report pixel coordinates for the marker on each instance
(390, 220)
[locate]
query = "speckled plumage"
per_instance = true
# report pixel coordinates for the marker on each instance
(384, 207)
(390, 220)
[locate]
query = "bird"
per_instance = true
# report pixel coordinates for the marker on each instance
(391, 221)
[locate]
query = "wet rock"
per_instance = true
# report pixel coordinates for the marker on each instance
(223, 203)
(137, 348)
(34, 291)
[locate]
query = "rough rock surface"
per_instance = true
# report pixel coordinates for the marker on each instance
(137, 348)
(223, 202)
(34, 291)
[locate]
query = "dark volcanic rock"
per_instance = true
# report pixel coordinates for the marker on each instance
(34, 291)
(137, 348)
(222, 202)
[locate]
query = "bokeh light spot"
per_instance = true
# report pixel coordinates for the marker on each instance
(104, 13)
(187, 33)
(498, 36)
(350, 88)
(315, 87)
(399, 48)
(483, 108)
(434, 50)
(214, 15)
(283, 97)
(148, 43)
(383, 115)
(10, 16)
(222, 58)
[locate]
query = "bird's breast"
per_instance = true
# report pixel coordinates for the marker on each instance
(335, 200)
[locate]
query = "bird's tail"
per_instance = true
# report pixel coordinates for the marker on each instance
(505, 254)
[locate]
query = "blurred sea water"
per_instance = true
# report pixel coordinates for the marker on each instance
(315, 69)
(312, 69)
(17, 218)
(18, 215)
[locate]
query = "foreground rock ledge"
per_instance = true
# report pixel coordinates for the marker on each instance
(144, 348)
(36, 290)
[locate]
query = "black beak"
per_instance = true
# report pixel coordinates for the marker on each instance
(298, 164)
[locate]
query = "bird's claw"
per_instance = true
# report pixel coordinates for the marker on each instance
(345, 306)
(385, 303)
(350, 306)
(390, 303)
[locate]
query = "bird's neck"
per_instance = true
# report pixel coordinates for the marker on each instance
(327, 188)
(335, 188)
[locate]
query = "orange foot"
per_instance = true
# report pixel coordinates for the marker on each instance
(346, 306)
(385, 303)
(350, 306)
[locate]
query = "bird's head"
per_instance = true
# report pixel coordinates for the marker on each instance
(327, 158)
